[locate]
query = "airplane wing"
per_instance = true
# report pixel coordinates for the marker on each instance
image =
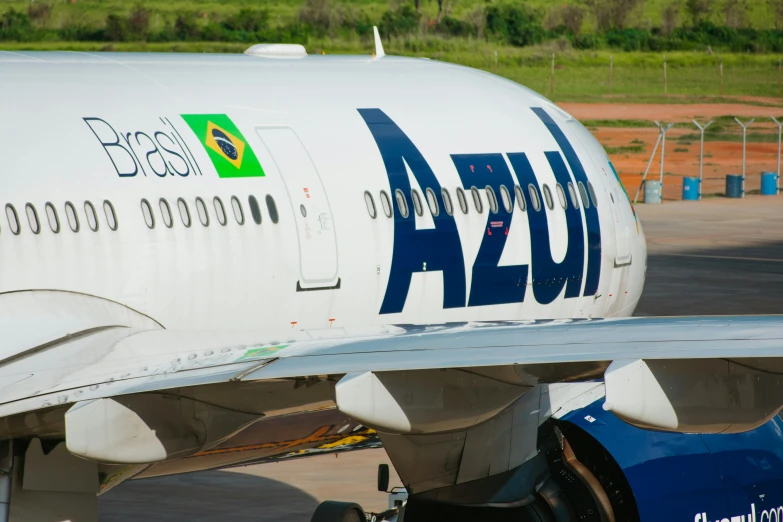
(100, 361)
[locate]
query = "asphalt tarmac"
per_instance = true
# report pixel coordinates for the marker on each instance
(714, 257)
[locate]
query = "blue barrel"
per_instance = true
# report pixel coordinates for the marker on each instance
(733, 186)
(652, 192)
(769, 184)
(690, 189)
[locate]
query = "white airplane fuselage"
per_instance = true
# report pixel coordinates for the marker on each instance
(313, 135)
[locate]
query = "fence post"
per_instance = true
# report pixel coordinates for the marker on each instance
(701, 150)
(552, 77)
(496, 62)
(611, 68)
(721, 76)
(665, 78)
(649, 163)
(664, 129)
(780, 134)
(744, 141)
(779, 79)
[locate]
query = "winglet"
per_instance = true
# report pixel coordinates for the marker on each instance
(378, 45)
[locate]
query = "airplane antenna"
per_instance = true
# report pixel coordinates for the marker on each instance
(378, 44)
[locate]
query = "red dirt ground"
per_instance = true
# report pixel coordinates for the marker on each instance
(682, 159)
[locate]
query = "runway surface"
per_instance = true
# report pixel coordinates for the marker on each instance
(716, 256)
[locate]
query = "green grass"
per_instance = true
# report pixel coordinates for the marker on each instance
(629, 149)
(753, 137)
(633, 124)
(649, 13)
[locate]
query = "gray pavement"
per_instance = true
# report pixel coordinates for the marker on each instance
(716, 256)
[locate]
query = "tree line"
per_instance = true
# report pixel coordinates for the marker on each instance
(683, 25)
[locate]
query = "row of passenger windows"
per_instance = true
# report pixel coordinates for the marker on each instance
(71, 216)
(203, 212)
(91, 214)
(587, 196)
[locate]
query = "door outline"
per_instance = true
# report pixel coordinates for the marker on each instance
(332, 281)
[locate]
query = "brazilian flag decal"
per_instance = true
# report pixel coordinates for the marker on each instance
(227, 148)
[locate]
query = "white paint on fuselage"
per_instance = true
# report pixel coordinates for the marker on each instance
(245, 276)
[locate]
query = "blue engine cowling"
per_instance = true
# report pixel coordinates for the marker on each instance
(682, 477)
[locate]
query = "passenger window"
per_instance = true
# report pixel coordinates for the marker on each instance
(583, 193)
(13, 219)
(492, 198)
(92, 216)
(505, 197)
(477, 200)
(432, 201)
(184, 212)
(386, 204)
(220, 212)
(447, 205)
(165, 212)
(463, 200)
(72, 216)
(402, 203)
(520, 198)
(236, 206)
(111, 216)
(51, 216)
(370, 204)
(572, 195)
(32, 218)
(534, 199)
(417, 206)
(561, 195)
(201, 210)
(255, 211)
(548, 197)
(593, 199)
(146, 211)
(271, 207)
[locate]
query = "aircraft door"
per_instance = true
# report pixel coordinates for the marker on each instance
(314, 224)
(621, 229)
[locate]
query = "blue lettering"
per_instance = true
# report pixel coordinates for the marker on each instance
(549, 277)
(437, 249)
(591, 214)
(121, 158)
(492, 284)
